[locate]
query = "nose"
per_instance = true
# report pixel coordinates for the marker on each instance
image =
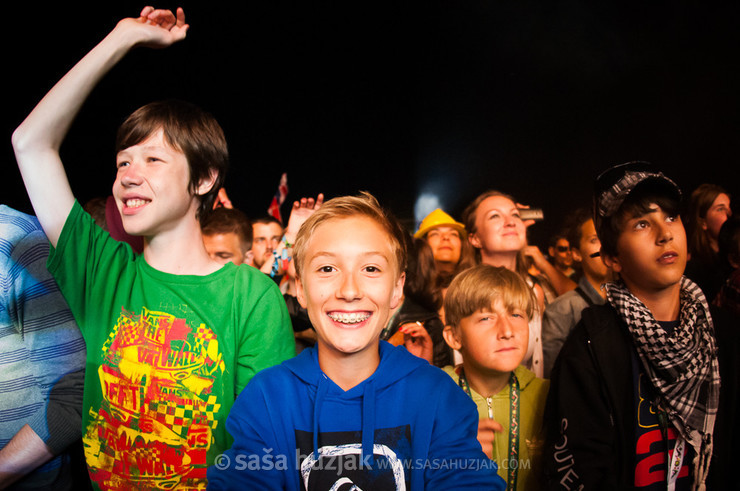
(349, 288)
(130, 176)
(510, 220)
(665, 233)
(505, 330)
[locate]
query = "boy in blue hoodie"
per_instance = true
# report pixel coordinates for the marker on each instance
(353, 410)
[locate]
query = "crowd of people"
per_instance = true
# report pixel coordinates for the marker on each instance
(160, 338)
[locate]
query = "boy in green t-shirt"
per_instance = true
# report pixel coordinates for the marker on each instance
(172, 336)
(487, 311)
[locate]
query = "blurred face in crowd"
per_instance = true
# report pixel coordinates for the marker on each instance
(266, 237)
(589, 245)
(561, 254)
(445, 243)
(717, 215)
(225, 248)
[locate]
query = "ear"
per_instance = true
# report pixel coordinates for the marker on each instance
(612, 262)
(207, 183)
(576, 255)
(451, 337)
(300, 294)
(398, 291)
(474, 241)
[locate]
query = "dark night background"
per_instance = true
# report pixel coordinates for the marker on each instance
(407, 98)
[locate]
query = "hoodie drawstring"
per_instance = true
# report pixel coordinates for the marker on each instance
(320, 394)
(368, 422)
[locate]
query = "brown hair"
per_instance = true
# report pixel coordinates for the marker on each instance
(228, 221)
(188, 129)
(364, 205)
(699, 203)
(480, 286)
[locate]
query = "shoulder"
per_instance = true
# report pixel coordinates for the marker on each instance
(566, 303)
(253, 280)
(17, 228)
(528, 381)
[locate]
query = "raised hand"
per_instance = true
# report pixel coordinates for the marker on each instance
(417, 341)
(300, 212)
(157, 28)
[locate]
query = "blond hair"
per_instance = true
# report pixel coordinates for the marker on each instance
(479, 287)
(363, 205)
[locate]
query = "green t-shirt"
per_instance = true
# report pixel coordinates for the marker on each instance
(166, 356)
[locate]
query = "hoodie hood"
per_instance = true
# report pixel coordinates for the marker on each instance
(395, 364)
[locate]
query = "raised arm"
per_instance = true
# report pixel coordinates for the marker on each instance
(37, 140)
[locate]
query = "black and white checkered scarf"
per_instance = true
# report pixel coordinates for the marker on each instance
(682, 366)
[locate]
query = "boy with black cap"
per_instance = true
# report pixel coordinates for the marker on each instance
(637, 384)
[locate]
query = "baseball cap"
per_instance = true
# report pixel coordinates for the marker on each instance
(616, 183)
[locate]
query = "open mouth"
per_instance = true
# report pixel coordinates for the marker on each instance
(668, 257)
(349, 318)
(135, 203)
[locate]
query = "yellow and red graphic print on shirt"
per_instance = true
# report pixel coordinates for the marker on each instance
(154, 425)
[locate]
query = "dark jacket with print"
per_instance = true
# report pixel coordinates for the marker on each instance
(590, 413)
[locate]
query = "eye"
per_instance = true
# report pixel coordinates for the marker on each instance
(123, 163)
(372, 269)
(325, 269)
(672, 218)
(641, 224)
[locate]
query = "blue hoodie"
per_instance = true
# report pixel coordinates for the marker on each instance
(407, 426)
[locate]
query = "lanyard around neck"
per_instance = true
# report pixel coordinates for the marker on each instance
(513, 425)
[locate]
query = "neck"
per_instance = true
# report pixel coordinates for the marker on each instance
(348, 370)
(664, 304)
(444, 267)
(179, 251)
(485, 384)
(596, 283)
(506, 260)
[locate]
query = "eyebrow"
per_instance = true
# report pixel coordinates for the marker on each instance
(332, 254)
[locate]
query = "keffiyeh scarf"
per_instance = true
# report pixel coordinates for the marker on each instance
(682, 365)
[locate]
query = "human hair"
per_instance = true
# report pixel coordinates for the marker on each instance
(362, 205)
(574, 226)
(96, 208)
(637, 203)
(267, 220)
(729, 244)
(422, 285)
(228, 221)
(700, 202)
(190, 130)
(480, 287)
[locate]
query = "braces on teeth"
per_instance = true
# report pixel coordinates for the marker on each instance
(353, 318)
